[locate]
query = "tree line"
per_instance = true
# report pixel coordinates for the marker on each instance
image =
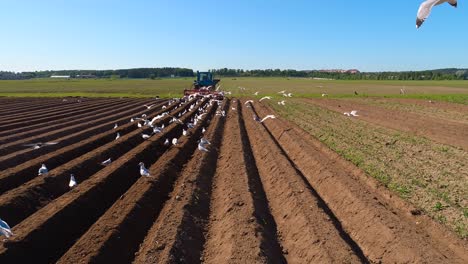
(153, 73)
(146, 73)
(442, 74)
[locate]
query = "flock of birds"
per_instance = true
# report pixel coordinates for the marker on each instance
(143, 122)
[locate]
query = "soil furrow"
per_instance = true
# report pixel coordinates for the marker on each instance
(307, 231)
(9, 135)
(233, 215)
(46, 113)
(115, 237)
(43, 117)
(98, 126)
(380, 223)
(177, 234)
(52, 230)
(28, 198)
(15, 176)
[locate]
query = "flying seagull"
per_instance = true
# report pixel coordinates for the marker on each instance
(39, 145)
(144, 171)
(5, 229)
(149, 106)
(266, 117)
(263, 98)
(106, 162)
(72, 181)
(426, 7)
(43, 170)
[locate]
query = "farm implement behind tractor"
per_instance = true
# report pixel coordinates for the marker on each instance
(204, 85)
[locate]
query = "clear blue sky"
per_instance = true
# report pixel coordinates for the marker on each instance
(250, 34)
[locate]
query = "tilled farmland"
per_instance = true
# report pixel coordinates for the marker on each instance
(265, 192)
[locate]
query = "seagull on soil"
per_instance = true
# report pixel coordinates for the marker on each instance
(5, 229)
(166, 143)
(117, 136)
(425, 9)
(144, 171)
(249, 101)
(43, 170)
(72, 182)
(145, 136)
(202, 147)
(116, 126)
(174, 141)
(205, 141)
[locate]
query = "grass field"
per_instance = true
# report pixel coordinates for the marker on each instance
(452, 91)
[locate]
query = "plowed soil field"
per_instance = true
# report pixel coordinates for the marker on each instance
(265, 192)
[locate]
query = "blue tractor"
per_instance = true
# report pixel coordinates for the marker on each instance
(204, 85)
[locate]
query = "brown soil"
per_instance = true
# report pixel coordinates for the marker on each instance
(262, 194)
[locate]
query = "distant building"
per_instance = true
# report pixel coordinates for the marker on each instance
(353, 71)
(60, 76)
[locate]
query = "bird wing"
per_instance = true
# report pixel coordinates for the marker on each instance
(425, 10)
(453, 3)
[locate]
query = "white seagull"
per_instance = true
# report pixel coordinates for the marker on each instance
(205, 141)
(201, 147)
(166, 143)
(116, 126)
(144, 171)
(353, 113)
(106, 162)
(72, 182)
(149, 106)
(282, 103)
(249, 101)
(426, 7)
(174, 141)
(5, 229)
(282, 92)
(256, 93)
(39, 145)
(117, 136)
(266, 117)
(263, 98)
(145, 136)
(43, 170)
